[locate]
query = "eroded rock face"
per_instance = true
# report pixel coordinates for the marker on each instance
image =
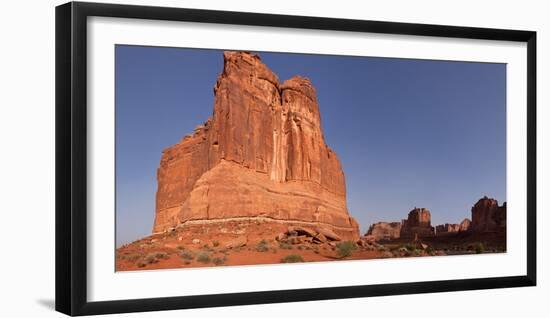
(418, 223)
(465, 225)
(385, 230)
(488, 216)
(447, 228)
(261, 154)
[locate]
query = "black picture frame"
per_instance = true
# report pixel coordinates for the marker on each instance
(71, 157)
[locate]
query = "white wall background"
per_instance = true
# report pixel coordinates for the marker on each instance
(27, 158)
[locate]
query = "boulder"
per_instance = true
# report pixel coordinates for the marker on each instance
(302, 231)
(320, 238)
(294, 240)
(280, 237)
(329, 234)
(236, 242)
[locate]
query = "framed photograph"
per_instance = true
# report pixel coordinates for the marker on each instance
(208, 158)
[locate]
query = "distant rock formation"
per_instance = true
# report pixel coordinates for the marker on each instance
(488, 216)
(417, 224)
(447, 228)
(261, 155)
(385, 231)
(465, 225)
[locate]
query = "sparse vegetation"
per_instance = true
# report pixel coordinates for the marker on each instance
(479, 248)
(292, 258)
(203, 257)
(130, 257)
(141, 264)
(410, 247)
(285, 246)
(346, 248)
(162, 255)
(262, 246)
(155, 257)
(215, 243)
(430, 251)
(219, 260)
(187, 255)
(150, 259)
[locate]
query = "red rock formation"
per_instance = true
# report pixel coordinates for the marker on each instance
(418, 224)
(385, 230)
(447, 228)
(464, 225)
(261, 154)
(488, 216)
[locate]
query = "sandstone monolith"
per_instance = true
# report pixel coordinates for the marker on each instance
(262, 155)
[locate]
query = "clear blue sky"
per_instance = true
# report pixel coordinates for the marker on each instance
(408, 132)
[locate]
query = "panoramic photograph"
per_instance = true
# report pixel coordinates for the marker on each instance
(228, 158)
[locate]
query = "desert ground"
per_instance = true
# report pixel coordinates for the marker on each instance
(258, 242)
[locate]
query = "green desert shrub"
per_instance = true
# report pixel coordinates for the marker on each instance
(285, 246)
(262, 246)
(479, 248)
(430, 250)
(345, 249)
(187, 255)
(203, 257)
(150, 259)
(134, 257)
(131, 257)
(219, 260)
(410, 247)
(292, 258)
(155, 257)
(161, 255)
